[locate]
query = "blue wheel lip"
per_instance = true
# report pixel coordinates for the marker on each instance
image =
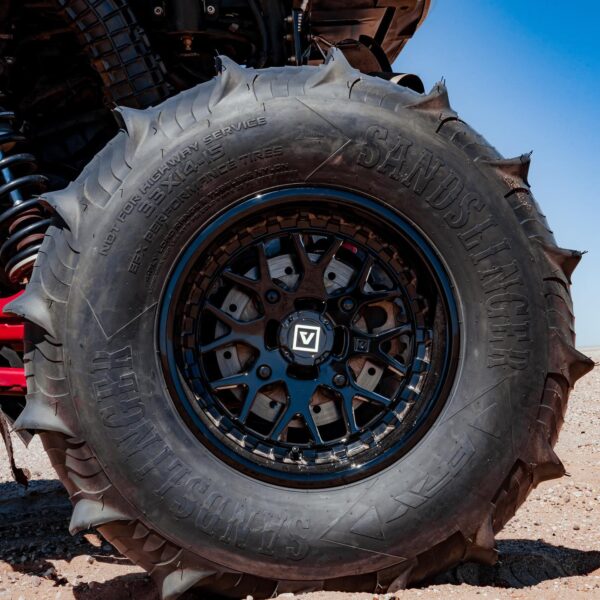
(278, 197)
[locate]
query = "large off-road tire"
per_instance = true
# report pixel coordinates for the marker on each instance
(320, 148)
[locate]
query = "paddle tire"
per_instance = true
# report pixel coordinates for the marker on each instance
(325, 153)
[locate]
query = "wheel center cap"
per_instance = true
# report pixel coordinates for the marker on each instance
(306, 337)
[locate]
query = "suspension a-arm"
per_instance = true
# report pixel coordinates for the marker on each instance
(384, 24)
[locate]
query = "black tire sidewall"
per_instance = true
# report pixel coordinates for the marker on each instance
(172, 481)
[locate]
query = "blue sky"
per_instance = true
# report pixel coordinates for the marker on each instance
(526, 74)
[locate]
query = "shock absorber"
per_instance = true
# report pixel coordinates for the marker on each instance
(23, 217)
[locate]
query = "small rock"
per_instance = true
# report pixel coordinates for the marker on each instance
(90, 559)
(576, 527)
(49, 572)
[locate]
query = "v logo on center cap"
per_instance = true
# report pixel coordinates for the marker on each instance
(306, 338)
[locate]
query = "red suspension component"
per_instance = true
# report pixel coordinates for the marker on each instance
(12, 379)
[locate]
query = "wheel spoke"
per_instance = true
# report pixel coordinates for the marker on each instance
(371, 342)
(378, 296)
(312, 426)
(288, 414)
(329, 255)
(371, 396)
(251, 392)
(388, 334)
(258, 286)
(250, 284)
(248, 381)
(393, 363)
(348, 394)
(253, 327)
(363, 274)
(224, 340)
(301, 254)
(312, 282)
(263, 267)
(231, 381)
(300, 393)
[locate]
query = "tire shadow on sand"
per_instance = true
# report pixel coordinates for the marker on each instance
(523, 563)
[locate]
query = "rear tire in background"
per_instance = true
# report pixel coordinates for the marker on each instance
(450, 420)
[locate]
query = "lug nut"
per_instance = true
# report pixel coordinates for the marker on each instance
(339, 380)
(272, 296)
(210, 9)
(264, 371)
(295, 453)
(348, 304)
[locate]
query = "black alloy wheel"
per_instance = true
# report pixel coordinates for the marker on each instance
(314, 345)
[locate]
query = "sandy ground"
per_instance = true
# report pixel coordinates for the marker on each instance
(550, 550)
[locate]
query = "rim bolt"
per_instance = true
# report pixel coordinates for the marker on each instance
(295, 453)
(272, 296)
(348, 304)
(264, 371)
(339, 380)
